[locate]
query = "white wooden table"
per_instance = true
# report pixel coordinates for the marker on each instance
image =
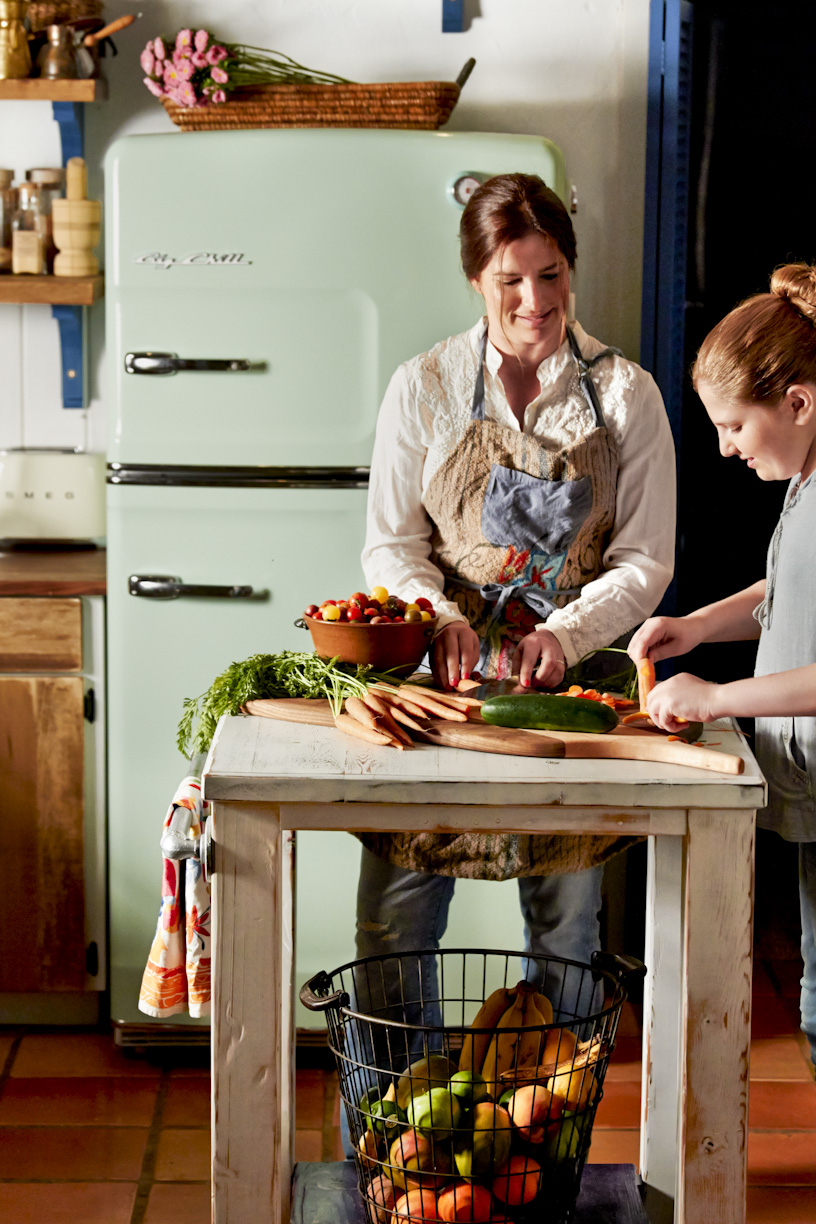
(267, 778)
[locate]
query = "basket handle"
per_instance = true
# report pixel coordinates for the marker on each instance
(465, 73)
(320, 1002)
(624, 967)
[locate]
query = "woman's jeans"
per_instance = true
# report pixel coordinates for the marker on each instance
(407, 911)
(807, 904)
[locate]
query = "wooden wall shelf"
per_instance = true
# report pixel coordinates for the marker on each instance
(35, 89)
(51, 290)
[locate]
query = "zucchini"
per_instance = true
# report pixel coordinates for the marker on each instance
(548, 712)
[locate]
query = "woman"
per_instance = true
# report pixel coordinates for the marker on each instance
(523, 481)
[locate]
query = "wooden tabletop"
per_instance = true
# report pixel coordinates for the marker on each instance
(53, 572)
(262, 760)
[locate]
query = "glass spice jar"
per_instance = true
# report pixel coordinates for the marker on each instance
(28, 231)
(51, 180)
(8, 206)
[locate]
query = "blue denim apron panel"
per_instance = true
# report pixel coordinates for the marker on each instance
(542, 515)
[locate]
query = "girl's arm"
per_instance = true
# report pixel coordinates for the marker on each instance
(789, 693)
(727, 620)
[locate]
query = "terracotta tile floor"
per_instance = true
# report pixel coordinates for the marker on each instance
(89, 1135)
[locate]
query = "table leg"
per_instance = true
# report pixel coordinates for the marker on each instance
(662, 1035)
(252, 1073)
(717, 1015)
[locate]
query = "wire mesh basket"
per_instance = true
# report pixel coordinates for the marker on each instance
(469, 1092)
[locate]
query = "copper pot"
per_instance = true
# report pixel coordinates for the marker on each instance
(15, 57)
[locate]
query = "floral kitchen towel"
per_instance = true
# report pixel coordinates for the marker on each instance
(177, 975)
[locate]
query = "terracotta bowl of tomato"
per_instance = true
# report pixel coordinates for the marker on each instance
(385, 647)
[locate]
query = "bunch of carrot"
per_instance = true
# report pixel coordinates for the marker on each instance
(381, 715)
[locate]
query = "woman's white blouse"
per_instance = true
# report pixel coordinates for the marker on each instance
(424, 414)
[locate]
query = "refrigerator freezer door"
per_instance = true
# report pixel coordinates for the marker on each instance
(300, 546)
(320, 259)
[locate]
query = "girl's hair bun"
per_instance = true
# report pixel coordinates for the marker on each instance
(796, 284)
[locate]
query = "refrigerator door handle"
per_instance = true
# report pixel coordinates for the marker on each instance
(171, 363)
(163, 586)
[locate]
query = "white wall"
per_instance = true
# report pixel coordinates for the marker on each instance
(571, 70)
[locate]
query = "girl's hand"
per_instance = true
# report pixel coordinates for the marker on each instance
(663, 637)
(454, 654)
(682, 699)
(540, 658)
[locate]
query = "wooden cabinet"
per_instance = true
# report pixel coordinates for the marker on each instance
(52, 865)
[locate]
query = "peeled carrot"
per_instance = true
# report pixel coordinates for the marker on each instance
(407, 720)
(646, 680)
(358, 710)
(430, 705)
(385, 720)
(414, 693)
(350, 726)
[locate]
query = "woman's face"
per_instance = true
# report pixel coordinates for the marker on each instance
(525, 287)
(777, 442)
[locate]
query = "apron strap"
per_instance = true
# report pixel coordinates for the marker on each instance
(584, 366)
(477, 408)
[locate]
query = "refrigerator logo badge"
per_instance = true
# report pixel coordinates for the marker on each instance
(163, 261)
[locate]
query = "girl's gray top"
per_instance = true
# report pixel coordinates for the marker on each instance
(786, 747)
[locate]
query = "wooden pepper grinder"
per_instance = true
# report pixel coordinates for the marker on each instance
(76, 223)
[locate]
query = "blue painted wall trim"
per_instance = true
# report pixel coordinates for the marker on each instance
(453, 16)
(71, 320)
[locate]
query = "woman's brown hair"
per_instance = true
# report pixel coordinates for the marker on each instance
(766, 344)
(508, 207)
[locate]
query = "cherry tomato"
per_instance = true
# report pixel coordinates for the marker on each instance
(412, 607)
(399, 620)
(412, 616)
(328, 603)
(331, 612)
(427, 616)
(310, 611)
(370, 612)
(355, 612)
(359, 598)
(424, 604)
(379, 593)
(318, 615)
(378, 620)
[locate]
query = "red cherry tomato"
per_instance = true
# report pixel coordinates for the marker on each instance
(359, 598)
(327, 603)
(318, 615)
(399, 620)
(424, 604)
(378, 620)
(371, 612)
(310, 611)
(355, 612)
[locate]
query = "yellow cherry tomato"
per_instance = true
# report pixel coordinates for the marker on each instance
(331, 613)
(412, 607)
(379, 593)
(426, 616)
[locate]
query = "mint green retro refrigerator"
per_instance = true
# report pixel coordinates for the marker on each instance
(261, 288)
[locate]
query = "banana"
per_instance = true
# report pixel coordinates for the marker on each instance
(475, 1045)
(501, 1053)
(531, 1043)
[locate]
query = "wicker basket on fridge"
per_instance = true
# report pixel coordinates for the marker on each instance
(42, 13)
(392, 104)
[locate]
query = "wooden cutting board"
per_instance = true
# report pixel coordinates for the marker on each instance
(624, 743)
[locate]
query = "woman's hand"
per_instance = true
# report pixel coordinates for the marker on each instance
(683, 699)
(664, 637)
(540, 657)
(454, 654)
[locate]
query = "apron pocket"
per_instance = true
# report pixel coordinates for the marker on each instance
(543, 516)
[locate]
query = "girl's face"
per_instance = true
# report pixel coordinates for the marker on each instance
(777, 442)
(525, 287)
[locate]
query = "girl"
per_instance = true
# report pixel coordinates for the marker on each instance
(756, 376)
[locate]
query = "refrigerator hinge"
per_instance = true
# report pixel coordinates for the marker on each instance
(89, 705)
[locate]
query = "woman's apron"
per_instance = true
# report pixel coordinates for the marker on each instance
(519, 529)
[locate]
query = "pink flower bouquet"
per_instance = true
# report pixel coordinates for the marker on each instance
(196, 69)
